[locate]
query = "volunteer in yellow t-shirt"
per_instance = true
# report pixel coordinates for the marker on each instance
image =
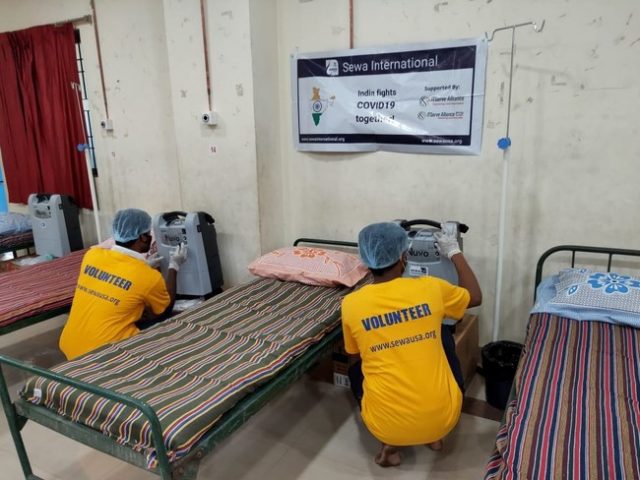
(405, 380)
(116, 286)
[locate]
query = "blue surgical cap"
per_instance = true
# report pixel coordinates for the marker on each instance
(382, 244)
(129, 224)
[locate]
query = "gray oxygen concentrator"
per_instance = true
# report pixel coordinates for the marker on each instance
(56, 224)
(201, 274)
(423, 257)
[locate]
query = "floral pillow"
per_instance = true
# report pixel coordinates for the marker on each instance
(313, 266)
(608, 294)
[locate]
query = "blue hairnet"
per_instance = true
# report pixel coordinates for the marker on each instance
(382, 244)
(129, 224)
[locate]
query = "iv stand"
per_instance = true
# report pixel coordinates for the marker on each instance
(504, 143)
(84, 147)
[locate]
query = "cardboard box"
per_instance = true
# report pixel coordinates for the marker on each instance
(332, 368)
(340, 361)
(467, 348)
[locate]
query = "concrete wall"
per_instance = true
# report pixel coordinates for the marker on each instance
(573, 163)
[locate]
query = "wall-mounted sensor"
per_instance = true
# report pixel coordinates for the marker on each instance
(107, 124)
(210, 118)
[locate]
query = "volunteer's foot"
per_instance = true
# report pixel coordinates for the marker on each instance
(389, 456)
(436, 446)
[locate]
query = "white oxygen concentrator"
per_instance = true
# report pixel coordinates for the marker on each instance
(56, 224)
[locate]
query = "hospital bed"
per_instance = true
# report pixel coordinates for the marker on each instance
(38, 292)
(14, 242)
(166, 397)
(15, 233)
(574, 408)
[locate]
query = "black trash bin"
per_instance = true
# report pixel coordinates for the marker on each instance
(499, 364)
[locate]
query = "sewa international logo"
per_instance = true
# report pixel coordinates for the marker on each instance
(319, 104)
(332, 67)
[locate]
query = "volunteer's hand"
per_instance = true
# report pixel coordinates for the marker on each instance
(154, 260)
(177, 257)
(446, 242)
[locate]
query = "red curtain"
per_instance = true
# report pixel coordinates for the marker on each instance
(40, 119)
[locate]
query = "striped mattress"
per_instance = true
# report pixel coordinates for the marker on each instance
(9, 242)
(195, 366)
(38, 288)
(576, 413)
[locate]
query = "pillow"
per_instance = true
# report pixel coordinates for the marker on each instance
(604, 296)
(12, 223)
(313, 266)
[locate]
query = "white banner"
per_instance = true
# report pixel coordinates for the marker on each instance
(421, 98)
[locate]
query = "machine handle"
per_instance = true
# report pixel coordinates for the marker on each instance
(171, 216)
(407, 224)
(42, 196)
(208, 218)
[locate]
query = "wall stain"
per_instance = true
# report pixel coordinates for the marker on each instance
(239, 89)
(594, 52)
(596, 21)
(437, 6)
(634, 42)
(629, 19)
(183, 93)
(337, 30)
(618, 40)
(554, 82)
(227, 13)
(530, 100)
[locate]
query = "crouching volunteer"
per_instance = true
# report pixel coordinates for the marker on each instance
(117, 286)
(407, 378)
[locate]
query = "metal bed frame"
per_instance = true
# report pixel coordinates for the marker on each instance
(609, 252)
(33, 319)
(19, 411)
(13, 249)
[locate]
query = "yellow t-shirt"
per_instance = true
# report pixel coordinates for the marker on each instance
(112, 291)
(410, 394)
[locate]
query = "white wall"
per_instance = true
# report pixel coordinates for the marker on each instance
(158, 156)
(574, 159)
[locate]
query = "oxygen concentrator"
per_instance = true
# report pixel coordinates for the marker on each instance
(201, 273)
(56, 224)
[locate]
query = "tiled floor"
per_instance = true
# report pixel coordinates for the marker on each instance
(310, 432)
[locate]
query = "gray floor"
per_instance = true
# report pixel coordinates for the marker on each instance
(310, 432)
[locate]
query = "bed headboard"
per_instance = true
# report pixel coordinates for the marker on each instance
(604, 251)
(319, 241)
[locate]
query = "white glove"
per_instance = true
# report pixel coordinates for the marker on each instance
(154, 260)
(177, 257)
(446, 242)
